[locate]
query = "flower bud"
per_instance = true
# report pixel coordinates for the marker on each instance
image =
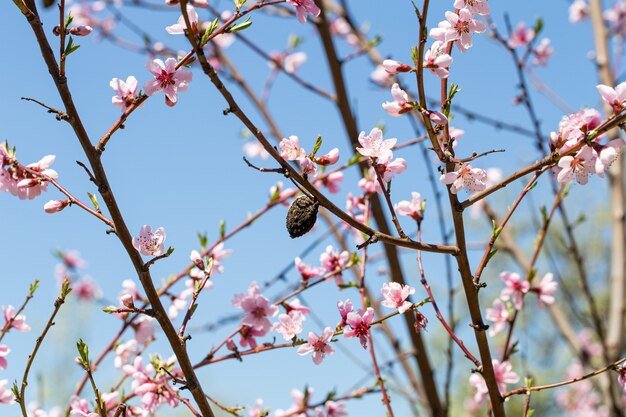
(394, 67)
(81, 30)
(54, 206)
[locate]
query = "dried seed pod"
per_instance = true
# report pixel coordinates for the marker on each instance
(301, 216)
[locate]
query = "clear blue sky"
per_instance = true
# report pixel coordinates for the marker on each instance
(181, 169)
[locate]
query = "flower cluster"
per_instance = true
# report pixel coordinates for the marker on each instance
(27, 182)
(257, 309)
(291, 150)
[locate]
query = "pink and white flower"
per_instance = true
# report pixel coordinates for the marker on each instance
(396, 296)
(607, 154)
(500, 315)
(516, 288)
(437, 61)
(333, 261)
(542, 52)
(304, 8)
(458, 28)
(125, 92)
(331, 181)
(167, 79)
(180, 26)
(546, 289)
(6, 396)
(257, 308)
(4, 351)
(381, 77)
(149, 243)
(318, 345)
(400, 103)
(344, 308)
(55, 206)
(12, 321)
(480, 7)
(614, 97)
(578, 11)
(580, 167)
(288, 62)
(291, 150)
(504, 375)
(521, 36)
(474, 179)
(289, 325)
(374, 146)
(413, 208)
(395, 67)
(307, 271)
(360, 323)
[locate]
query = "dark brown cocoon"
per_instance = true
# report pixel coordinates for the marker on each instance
(301, 216)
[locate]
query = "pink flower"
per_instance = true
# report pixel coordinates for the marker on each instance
(395, 67)
(307, 271)
(381, 77)
(296, 307)
(545, 290)
(6, 396)
(499, 314)
(290, 149)
(257, 411)
(344, 309)
(458, 28)
(256, 307)
(401, 103)
(504, 375)
(335, 408)
(304, 8)
(614, 97)
(375, 146)
(22, 184)
(254, 149)
(308, 166)
(616, 17)
(4, 351)
(124, 352)
(521, 36)
(480, 7)
(319, 345)
(437, 61)
(578, 10)
(413, 208)
(334, 261)
(466, 177)
(289, 63)
(248, 334)
(148, 243)
(54, 206)
(331, 181)
(86, 289)
(330, 158)
(217, 254)
(607, 154)
(542, 52)
(436, 117)
(299, 406)
(144, 329)
(167, 79)
(125, 92)
(396, 296)
(17, 322)
(515, 288)
(580, 166)
(574, 127)
(179, 27)
(289, 325)
(360, 323)
(154, 390)
(83, 30)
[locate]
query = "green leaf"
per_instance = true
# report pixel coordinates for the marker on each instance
(275, 194)
(204, 240)
(538, 26)
(70, 47)
(170, 250)
(316, 147)
(240, 26)
(222, 228)
(69, 20)
(355, 158)
(94, 201)
(294, 41)
(239, 3)
(33, 287)
(209, 30)
(544, 214)
(83, 352)
(491, 254)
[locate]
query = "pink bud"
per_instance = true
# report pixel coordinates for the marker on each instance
(394, 67)
(54, 206)
(437, 117)
(81, 30)
(329, 159)
(127, 300)
(197, 259)
(27, 183)
(230, 345)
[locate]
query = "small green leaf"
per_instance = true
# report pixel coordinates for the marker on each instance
(491, 254)
(83, 352)
(70, 47)
(170, 250)
(94, 201)
(222, 228)
(275, 194)
(209, 30)
(240, 26)
(538, 26)
(353, 160)
(294, 41)
(33, 287)
(544, 214)
(65, 288)
(69, 20)
(204, 240)
(316, 147)
(239, 3)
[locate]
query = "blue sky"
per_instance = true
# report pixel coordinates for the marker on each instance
(181, 169)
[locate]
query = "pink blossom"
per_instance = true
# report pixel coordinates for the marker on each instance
(580, 166)
(144, 329)
(6, 396)
(54, 206)
(480, 7)
(437, 61)
(299, 404)
(258, 410)
(614, 97)
(290, 149)
(248, 334)
(167, 79)
(344, 309)
(288, 62)
(179, 27)
(307, 271)
(217, 254)
(606, 155)
(253, 149)
(413, 208)
(400, 103)
(374, 146)
(79, 406)
(386, 169)
(125, 92)
(574, 127)
(331, 181)
(334, 261)
(12, 321)
(149, 243)
(436, 117)
(504, 375)
(578, 11)
(330, 158)
(396, 296)
(308, 166)
(458, 28)
(23, 184)
(257, 308)
(465, 177)
(515, 288)
(360, 323)
(395, 67)
(521, 36)
(545, 290)
(381, 77)
(500, 315)
(154, 390)
(542, 52)
(86, 289)
(616, 18)
(4, 351)
(304, 8)
(124, 352)
(289, 325)
(319, 345)
(580, 399)
(335, 408)
(83, 30)
(295, 307)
